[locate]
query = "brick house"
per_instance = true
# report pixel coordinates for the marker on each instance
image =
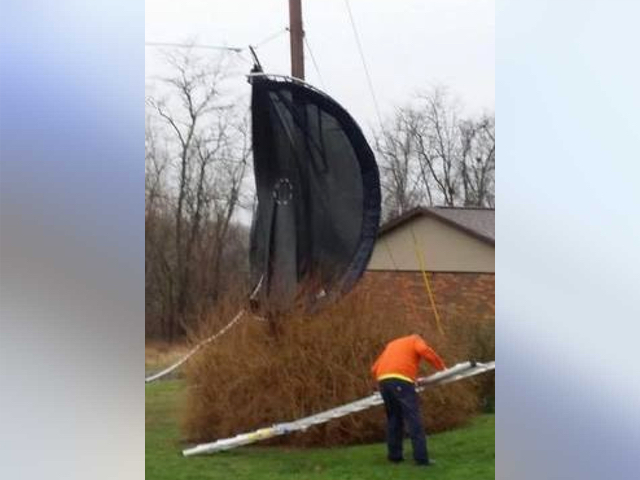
(455, 245)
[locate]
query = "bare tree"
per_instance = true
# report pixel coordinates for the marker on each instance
(158, 278)
(399, 168)
(207, 147)
(478, 161)
(437, 135)
(430, 154)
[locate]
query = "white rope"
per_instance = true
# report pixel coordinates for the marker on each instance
(195, 349)
(453, 374)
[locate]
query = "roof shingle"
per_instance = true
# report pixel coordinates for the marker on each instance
(479, 222)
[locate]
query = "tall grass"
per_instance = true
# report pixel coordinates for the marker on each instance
(262, 373)
(159, 354)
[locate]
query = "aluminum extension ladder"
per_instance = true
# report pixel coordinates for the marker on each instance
(453, 374)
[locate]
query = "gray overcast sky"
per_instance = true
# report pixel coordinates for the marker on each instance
(408, 44)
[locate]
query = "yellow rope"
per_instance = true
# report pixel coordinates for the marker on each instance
(427, 283)
(395, 265)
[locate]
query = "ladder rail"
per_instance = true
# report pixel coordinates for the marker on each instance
(453, 374)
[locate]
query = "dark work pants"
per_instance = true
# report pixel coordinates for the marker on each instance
(402, 406)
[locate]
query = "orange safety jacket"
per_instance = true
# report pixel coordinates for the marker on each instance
(401, 357)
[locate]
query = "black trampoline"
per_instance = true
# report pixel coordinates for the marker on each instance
(318, 193)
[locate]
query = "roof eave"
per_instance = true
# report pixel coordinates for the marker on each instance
(418, 211)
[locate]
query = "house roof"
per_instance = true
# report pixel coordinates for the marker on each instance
(478, 222)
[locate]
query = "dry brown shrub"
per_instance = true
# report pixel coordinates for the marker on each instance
(258, 374)
(159, 354)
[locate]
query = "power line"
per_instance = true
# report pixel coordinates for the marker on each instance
(236, 50)
(364, 63)
(315, 64)
(273, 36)
(192, 45)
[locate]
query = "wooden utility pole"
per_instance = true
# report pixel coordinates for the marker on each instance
(296, 34)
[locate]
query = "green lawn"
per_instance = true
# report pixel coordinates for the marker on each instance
(465, 454)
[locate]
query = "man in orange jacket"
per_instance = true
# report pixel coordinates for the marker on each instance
(395, 370)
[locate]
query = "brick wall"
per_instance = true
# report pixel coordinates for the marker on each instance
(458, 296)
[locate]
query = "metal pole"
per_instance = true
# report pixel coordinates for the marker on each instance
(296, 34)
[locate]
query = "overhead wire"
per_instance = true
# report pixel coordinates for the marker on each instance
(193, 45)
(313, 60)
(237, 50)
(419, 254)
(271, 37)
(364, 62)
